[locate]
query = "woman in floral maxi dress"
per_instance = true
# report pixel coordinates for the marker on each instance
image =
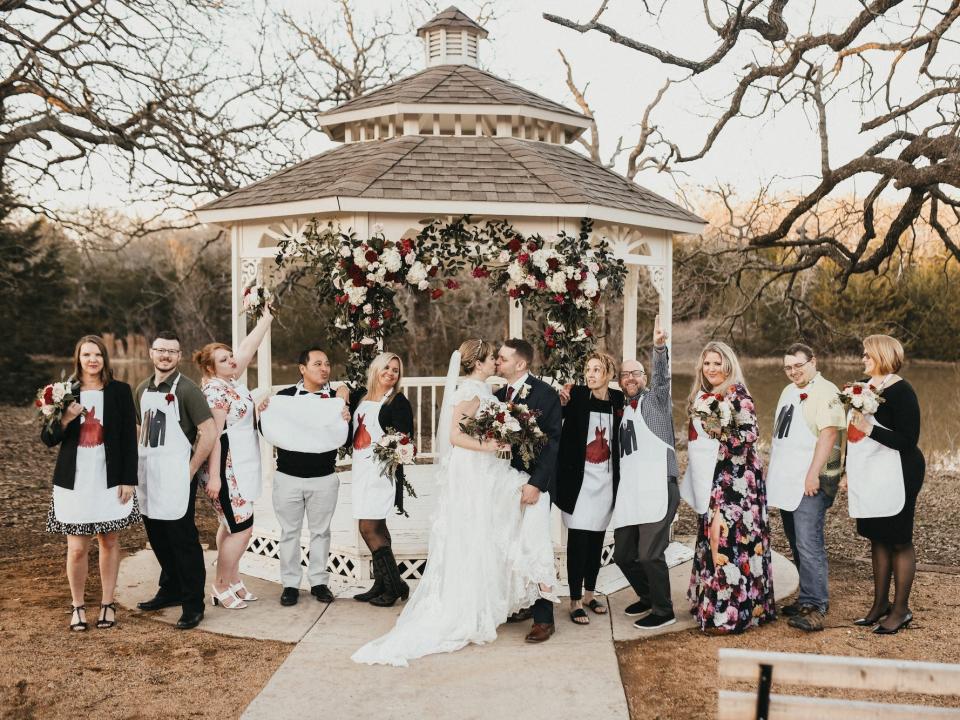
(731, 587)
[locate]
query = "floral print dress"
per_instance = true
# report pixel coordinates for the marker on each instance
(737, 594)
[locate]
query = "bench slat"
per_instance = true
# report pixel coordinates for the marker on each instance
(743, 706)
(833, 671)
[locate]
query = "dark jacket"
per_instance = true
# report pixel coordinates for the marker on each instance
(544, 398)
(396, 415)
(119, 439)
(573, 445)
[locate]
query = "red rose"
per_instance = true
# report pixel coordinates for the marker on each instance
(532, 246)
(588, 332)
(354, 346)
(551, 343)
(406, 246)
(169, 397)
(370, 256)
(374, 323)
(558, 299)
(387, 314)
(452, 285)
(572, 285)
(803, 396)
(858, 389)
(436, 293)
(514, 293)
(404, 440)
(549, 331)
(501, 417)
(553, 263)
(480, 272)
(514, 245)
(48, 395)
(541, 285)
(522, 258)
(38, 403)
(341, 299)
(432, 272)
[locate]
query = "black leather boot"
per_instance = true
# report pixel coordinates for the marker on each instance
(396, 588)
(378, 586)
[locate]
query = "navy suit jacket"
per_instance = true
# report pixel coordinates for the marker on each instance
(543, 470)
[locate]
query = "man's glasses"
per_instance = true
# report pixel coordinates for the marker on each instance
(635, 374)
(162, 352)
(795, 368)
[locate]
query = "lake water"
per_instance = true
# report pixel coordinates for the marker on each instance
(937, 387)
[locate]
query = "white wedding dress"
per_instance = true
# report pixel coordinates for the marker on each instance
(486, 557)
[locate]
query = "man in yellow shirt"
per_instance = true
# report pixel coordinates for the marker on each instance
(803, 477)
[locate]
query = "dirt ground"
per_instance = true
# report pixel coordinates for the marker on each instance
(145, 669)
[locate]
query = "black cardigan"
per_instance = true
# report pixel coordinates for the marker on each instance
(573, 445)
(119, 439)
(396, 414)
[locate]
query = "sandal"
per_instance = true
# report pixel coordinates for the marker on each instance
(240, 590)
(579, 617)
(102, 622)
(598, 607)
(80, 625)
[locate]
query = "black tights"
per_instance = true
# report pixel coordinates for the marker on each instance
(900, 562)
(375, 534)
(584, 549)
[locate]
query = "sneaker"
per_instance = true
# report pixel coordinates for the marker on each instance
(640, 607)
(654, 621)
(809, 621)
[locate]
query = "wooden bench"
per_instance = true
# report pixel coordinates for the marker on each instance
(830, 671)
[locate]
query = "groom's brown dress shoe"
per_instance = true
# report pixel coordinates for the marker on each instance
(540, 632)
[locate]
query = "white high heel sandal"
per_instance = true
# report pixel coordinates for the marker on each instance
(247, 596)
(227, 600)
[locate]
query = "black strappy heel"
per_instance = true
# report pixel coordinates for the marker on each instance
(103, 623)
(79, 625)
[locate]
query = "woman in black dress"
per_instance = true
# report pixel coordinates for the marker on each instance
(95, 475)
(896, 426)
(588, 470)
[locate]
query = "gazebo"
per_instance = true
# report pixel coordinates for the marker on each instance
(448, 141)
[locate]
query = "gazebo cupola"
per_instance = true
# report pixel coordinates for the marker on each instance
(452, 96)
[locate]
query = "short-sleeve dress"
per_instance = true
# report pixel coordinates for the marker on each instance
(239, 454)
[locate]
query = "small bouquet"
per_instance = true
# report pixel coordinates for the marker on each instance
(52, 400)
(256, 298)
(860, 396)
(715, 412)
(394, 449)
(508, 423)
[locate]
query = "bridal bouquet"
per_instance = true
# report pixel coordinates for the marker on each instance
(394, 449)
(858, 396)
(715, 412)
(508, 423)
(255, 300)
(52, 400)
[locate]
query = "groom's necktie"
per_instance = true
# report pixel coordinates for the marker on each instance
(509, 393)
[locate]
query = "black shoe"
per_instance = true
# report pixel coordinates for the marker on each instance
(289, 596)
(867, 621)
(190, 619)
(322, 593)
(654, 621)
(394, 586)
(521, 615)
(881, 630)
(158, 602)
(792, 610)
(640, 607)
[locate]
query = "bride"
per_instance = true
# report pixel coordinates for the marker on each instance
(486, 559)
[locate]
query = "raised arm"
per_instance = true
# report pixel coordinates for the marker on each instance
(248, 346)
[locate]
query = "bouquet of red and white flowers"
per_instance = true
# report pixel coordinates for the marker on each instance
(861, 396)
(509, 423)
(394, 449)
(52, 400)
(256, 298)
(715, 412)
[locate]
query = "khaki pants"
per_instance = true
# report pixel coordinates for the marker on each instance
(294, 497)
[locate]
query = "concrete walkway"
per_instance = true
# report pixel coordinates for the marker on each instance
(507, 678)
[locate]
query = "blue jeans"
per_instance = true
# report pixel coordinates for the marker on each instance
(804, 530)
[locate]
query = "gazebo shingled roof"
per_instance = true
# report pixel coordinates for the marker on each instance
(452, 17)
(465, 168)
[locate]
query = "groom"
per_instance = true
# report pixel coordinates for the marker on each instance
(513, 363)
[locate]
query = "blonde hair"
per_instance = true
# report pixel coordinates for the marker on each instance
(203, 358)
(106, 374)
(729, 364)
(606, 361)
(474, 352)
(378, 365)
(885, 351)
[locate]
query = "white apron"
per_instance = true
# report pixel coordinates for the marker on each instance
(874, 478)
(90, 500)
(164, 464)
(595, 501)
(245, 449)
(702, 456)
(791, 452)
(373, 492)
(642, 495)
(304, 423)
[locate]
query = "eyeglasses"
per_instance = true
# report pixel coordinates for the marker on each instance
(162, 352)
(634, 373)
(795, 368)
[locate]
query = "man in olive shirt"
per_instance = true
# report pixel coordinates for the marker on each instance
(175, 542)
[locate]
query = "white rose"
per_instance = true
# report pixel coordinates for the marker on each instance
(423, 285)
(378, 229)
(590, 286)
(417, 273)
(47, 409)
(557, 282)
(603, 283)
(359, 259)
(367, 309)
(410, 258)
(593, 267)
(516, 272)
(391, 260)
(58, 392)
(503, 257)
(512, 424)
(357, 295)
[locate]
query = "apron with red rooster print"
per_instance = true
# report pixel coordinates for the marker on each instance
(373, 491)
(595, 501)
